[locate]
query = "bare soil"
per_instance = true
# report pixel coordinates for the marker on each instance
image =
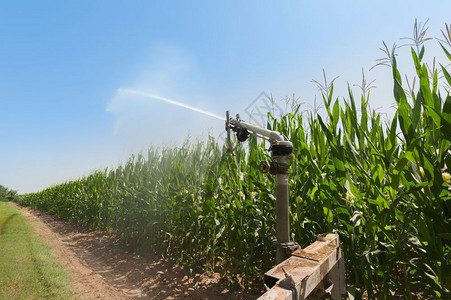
(102, 268)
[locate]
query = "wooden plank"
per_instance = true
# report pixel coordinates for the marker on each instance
(307, 266)
(277, 292)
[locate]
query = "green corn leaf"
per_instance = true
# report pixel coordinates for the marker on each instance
(446, 74)
(328, 214)
(424, 86)
(416, 112)
(400, 165)
(405, 121)
(446, 52)
(446, 112)
(336, 114)
(435, 83)
(440, 121)
(421, 53)
(417, 62)
(393, 126)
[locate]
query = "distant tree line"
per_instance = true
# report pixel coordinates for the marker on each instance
(7, 194)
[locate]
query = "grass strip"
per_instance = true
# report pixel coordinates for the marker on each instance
(27, 269)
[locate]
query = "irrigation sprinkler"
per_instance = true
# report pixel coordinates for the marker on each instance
(281, 149)
(299, 273)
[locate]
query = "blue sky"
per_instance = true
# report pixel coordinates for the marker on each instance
(62, 63)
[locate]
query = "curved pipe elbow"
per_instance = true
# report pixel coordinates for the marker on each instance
(277, 136)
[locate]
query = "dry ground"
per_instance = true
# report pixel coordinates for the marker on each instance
(102, 268)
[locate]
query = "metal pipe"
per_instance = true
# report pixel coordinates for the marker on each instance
(281, 150)
(282, 212)
(272, 135)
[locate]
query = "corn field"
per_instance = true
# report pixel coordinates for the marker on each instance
(384, 188)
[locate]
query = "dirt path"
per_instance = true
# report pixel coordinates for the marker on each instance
(103, 269)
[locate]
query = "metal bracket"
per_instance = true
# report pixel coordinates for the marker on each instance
(289, 283)
(289, 247)
(274, 167)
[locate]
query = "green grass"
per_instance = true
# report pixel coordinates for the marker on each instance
(27, 270)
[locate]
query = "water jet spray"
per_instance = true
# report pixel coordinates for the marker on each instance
(152, 96)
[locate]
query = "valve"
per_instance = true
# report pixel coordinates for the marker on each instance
(265, 166)
(273, 167)
(241, 134)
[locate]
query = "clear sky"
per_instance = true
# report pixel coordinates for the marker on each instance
(62, 64)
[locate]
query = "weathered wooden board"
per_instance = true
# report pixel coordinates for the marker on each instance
(307, 268)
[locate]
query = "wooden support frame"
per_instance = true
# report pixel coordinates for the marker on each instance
(300, 274)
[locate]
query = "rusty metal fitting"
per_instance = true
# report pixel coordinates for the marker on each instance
(282, 148)
(274, 167)
(289, 247)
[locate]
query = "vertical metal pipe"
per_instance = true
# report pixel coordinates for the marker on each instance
(282, 212)
(281, 150)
